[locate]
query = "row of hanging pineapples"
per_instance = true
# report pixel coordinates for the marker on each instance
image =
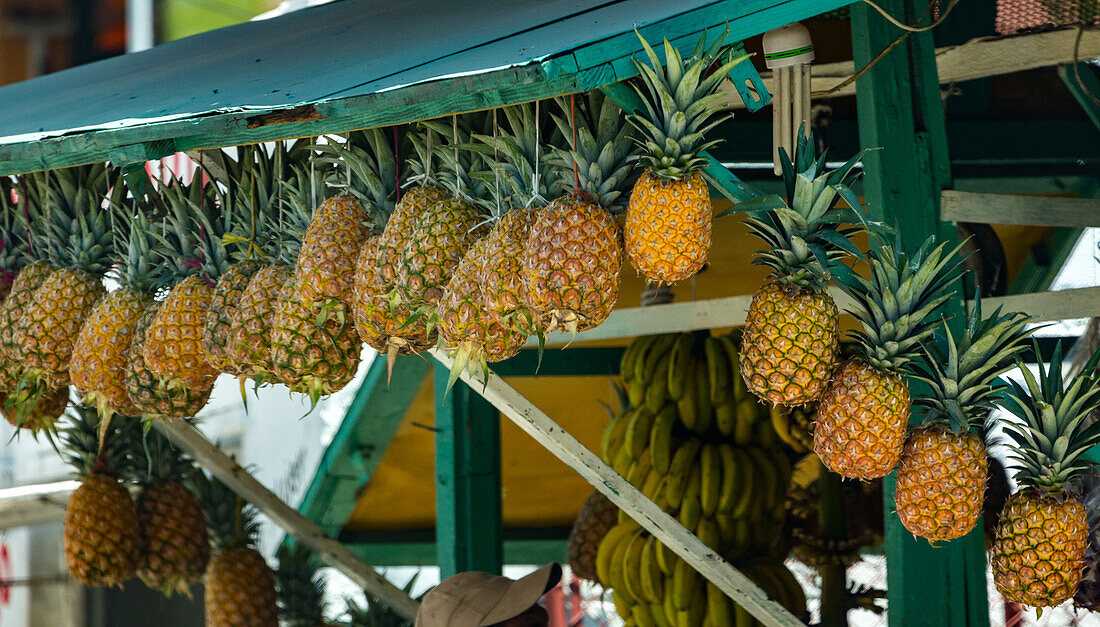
(500, 233)
(183, 527)
(790, 356)
(695, 442)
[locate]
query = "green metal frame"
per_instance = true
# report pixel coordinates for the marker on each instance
(900, 110)
(418, 547)
(1084, 91)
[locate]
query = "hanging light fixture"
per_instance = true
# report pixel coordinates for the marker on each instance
(788, 52)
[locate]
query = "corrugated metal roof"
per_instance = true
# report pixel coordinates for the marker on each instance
(342, 49)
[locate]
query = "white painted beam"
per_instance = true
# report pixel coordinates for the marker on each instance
(977, 58)
(24, 506)
(1050, 306)
(330, 551)
(958, 206)
(629, 499)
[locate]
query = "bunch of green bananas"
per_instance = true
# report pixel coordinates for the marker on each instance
(700, 446)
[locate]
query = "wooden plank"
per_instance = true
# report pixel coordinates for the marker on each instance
(958, 206)
(301, 528)
(629, 499)
(978, 58)
(1082, 302)
(30, 505)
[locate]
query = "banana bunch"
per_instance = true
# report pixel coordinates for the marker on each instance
(700, 446)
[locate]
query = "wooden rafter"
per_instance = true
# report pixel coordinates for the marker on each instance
(329, 550)
(958, 206)
(630, 500)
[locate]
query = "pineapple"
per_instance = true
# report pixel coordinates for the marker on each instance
(173, 341)
(151, 394)
(1038, 553)
(102, 538)
(864, 412)
(37, 417)
(311, 355)
(79, 245)
(669, 218)
(942, 471)
(176, 546)
(791, 341)
(597, 517)
(240, 587)
(101, 352)
(376, 613)
(301, 588)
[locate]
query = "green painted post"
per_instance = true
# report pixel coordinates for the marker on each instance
(900, 111)
(469, 530)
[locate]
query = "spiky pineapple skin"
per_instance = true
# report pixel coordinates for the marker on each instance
(790, 344)
(326, 263)
(176, 545)
(102, 538)
(430, 257)
(250, 335)
(151, 394)
(941, 482)
(668, 224)
(173, 343)
(99, 359)
(463, 323)
(223, 310)
(572, 262)
(36, 414)
(413, 206)
(598, 515)
(861, 421)
(504, 290)
(51, 322)
(1038, 555)
(240, 590)
(378, 324)
(11, 310)
(303, 356)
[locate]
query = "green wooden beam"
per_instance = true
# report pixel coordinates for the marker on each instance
(418, 547)
(1085, 87)
(570, 362)
(361, 441)
(469, 527)
(900, 110)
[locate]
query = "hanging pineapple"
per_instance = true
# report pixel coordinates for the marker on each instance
(273, 178)
(78, 243)
(301, 588)
(101, 353)
(240, 586)
(310, 356)
(102, 538)
(941, 476)
(572, 260)
(1038, 554)
(246, 207)
(669, 218)
(191, 246)
(790, 345)
(175, 542)
(863, 415)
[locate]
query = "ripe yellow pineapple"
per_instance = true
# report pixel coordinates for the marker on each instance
(250, 334)
(102, 539)
(863, 416)
(173, 341)
(668, 221)
(240, 587)
(941, 476)
(790, 344)
(1038, 553)
(100, 356)
(79, 243)
(153, 395)
(175, 542)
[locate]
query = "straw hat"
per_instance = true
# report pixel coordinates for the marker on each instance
(475, 599)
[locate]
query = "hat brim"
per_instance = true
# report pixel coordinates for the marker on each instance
(523, 593)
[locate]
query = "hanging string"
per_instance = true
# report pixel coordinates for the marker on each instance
(535, 176)
(573, 123)
(347, 164)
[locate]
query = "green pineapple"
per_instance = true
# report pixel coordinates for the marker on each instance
(301, 588)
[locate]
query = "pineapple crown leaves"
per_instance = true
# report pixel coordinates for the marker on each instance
(962, 372)
(894, 306)
(137, 267)
(14, 240)
(376, 613)
(262, 198)
(188, 243)
(81, 438)
(231, 520)
(681, 104)
(803, 232)
(300, 187)
(520, 170)
(1050, 442)
(301, 589)
(369, 156)
(461, 168)
(77, 231)
(604, 151)
(155, 459)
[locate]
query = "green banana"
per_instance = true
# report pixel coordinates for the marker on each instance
(652, 587)
(630, 355)
(702, 399)
(636, 392)
(747, 485)
(767, 477)
(679, 365)
(725, 417)
(710, 464)
(651, 483)
(613, 437)
(718, 607)
(632, 566)
(623, 606)
(718, 371)
(637, 358)
(685, 582)
(656, 394)
(765, 434)
(637, 432)
(696, 612)
(740, 390)
(709, 533)
(666, 559)
(618, 581)
(606, 551)
(691, 512)
(657, 351)
(658, 611)
(747, 411)
(643, 617)
(660, 439)
(680, 470)
(666, 602)
(621, 463)
(639, 470)
(688, 405)
(731, 478)
(781, 423)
